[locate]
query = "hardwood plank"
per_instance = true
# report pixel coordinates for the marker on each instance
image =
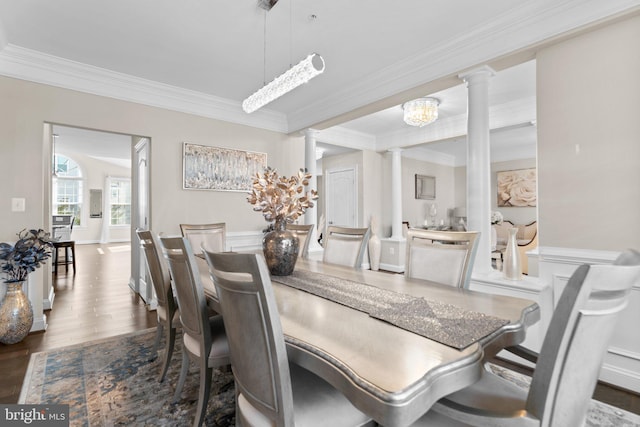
(96, 303)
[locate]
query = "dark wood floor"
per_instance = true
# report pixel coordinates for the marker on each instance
(97, 303)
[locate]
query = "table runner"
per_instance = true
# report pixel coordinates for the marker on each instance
(445, 323)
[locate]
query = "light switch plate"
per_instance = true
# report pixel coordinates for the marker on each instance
(18, 204)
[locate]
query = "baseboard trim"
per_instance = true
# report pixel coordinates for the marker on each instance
(392, 267)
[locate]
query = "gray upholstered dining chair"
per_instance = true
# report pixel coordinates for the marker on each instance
(441, 256)
(270, 391)
(303, 232)
(167, 310)
(204, 339)
(345, 246)
(212, 237)
(569, 363)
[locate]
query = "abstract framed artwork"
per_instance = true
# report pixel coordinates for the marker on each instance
(425, 187)
(221, 169)
(517, 188)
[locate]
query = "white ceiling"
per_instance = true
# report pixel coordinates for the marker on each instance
(206, 57)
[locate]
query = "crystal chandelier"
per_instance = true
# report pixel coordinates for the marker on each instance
(421, 111)
(295, 76)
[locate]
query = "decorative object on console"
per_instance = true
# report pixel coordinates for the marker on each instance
(222, 169)
(31, 250)
(517, 188)
(511, 267)
(433, 212)
(420, 112)
(281, 200)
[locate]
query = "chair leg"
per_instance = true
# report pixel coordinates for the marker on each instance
(156, 343)
(55, 260)
(73, 259)
(168, 345)
(203, 395)
(66, 259)
(183, 375)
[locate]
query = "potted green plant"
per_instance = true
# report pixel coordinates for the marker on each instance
(17, 261)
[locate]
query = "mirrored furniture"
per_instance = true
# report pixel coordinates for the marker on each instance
(441, 256)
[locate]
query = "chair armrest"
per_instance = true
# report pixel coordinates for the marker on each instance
(523, 352)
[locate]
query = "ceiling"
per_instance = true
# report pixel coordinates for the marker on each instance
(205, 57)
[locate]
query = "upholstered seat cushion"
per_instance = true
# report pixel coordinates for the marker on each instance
(311, 396)
(219, 346)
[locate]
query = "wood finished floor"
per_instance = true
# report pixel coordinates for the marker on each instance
(97, 303)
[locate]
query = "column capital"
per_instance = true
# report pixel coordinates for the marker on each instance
(483, 71)
(395, 150)
(311, 133)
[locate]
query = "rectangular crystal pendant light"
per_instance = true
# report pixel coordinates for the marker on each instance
(295, 76)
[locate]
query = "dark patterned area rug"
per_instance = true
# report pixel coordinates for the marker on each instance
(112, 382)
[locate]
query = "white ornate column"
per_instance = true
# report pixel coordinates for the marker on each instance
(479, 163)
(396, 193)
(311, 215)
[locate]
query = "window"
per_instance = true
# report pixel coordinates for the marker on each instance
(120, 201)
(67, 188)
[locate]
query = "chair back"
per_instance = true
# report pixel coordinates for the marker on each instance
(256, 342)
(345, 246)
(190, 293)
(212, 237)
(441, 256)
(576, 342)
(62, 227)
(303, 233)
(158, 272)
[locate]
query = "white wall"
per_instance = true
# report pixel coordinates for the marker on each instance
(94, 173)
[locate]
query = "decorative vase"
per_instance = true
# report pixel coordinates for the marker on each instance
(511, 264)
(16, 314)
(280, 248)
(374, 246)
(494, 238)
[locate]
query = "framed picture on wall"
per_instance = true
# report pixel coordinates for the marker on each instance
(222, 169)
(425, 187)
(517, 188)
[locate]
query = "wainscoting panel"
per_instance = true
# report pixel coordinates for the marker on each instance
(622, 362)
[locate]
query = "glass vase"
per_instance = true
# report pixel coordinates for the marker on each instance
(16, 314)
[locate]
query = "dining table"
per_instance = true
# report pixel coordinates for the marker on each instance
(365, 346)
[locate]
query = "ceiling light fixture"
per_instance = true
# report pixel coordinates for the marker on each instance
(295, 76)
(420, 112)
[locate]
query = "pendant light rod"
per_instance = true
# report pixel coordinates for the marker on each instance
(295, 76)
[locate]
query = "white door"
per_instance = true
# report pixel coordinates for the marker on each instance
(342, 197)
(140, 219)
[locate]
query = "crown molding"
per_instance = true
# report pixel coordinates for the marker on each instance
(427, 155)
(524, 27)
(347, 138)
(27, 64)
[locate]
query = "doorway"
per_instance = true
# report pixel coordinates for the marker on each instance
(101, 191)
